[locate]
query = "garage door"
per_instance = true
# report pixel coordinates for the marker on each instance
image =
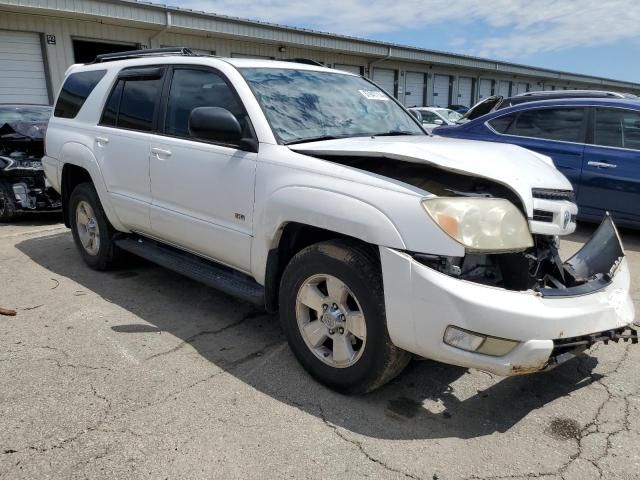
(386, 79)
(348, 68)
(414, 89)
(22, 76)
(503, 88)
(522, 88)
(485, 88)
(465, 91)
(441, 90)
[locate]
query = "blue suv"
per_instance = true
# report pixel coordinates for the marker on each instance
(595, 142)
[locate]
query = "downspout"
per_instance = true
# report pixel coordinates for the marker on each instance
(160, 32)
(370, 64)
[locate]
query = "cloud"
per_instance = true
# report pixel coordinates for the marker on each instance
(512, 27)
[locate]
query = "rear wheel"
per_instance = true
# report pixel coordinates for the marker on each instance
(92, 232)
(332, 311)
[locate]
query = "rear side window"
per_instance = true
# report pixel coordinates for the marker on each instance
(133, 102)
(615, 127)
(191, 88)
(502, 124)
(565, 124)
(75, 91)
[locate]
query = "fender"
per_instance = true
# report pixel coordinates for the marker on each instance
(318, 208)
(77, 154)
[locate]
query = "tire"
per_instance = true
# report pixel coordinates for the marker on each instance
(102, 254)
(7, 204)
(310, 278)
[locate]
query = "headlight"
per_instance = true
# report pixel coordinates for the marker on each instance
(481, 224)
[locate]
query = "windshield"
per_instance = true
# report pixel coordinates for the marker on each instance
(306, 105)
(450, 115)
(29, 113)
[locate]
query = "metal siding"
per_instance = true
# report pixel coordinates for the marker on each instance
(386, 79)
(465, 91)
(441, 90)
(22, 76)
(504, 88)
(414, 89)
(348, 68)
(485, 88)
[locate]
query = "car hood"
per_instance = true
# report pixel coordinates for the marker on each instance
(513, 166)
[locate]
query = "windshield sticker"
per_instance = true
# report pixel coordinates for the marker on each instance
(374, 95)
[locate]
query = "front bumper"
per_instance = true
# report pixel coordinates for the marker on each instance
(422, 302)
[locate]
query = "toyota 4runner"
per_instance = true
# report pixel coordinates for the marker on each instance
(311, 192)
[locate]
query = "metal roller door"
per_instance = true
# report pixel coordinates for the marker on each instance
(349, 68)
(441, 90)
(504, 88)
(465, 91)
(414, 83)
(385, 79)
(22, 75)
(522, 88)
(485, 88)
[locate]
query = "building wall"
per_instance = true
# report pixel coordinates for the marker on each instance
(59, 56)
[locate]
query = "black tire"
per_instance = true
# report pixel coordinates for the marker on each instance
(108, 253)
(7, 204)
(358, 267)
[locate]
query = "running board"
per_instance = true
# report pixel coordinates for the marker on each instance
(204, 271)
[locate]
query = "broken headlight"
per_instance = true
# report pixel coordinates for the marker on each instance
(481, 224)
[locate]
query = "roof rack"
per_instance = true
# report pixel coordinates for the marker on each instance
(306, 61)
(148, 52)
(577, 93)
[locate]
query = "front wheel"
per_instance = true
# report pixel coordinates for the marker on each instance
(332, 312)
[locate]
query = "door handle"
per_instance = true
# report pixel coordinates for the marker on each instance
(102, 140)
(601, 165)
(158, 152)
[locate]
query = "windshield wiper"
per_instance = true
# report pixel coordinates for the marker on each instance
(395, 133)
(313, 139)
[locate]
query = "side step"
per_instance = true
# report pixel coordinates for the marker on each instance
(204, 271)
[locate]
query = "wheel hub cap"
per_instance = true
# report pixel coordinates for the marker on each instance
(88, 229)
(330, 320)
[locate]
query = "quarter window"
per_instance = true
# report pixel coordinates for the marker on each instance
(617, 128)
(75, 91)
(563, 124)
(191, 88)
(502, 124)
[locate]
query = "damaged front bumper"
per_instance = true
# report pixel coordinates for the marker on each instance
(547, 325)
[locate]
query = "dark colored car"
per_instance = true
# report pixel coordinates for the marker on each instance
(23, 187)
(459, 108)
(595, 142)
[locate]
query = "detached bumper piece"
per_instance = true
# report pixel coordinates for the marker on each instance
(567, 348)
(592, 267)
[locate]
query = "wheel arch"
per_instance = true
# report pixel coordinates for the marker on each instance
(80, 165)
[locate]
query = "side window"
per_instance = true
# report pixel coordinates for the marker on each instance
(428, 117)
(191, 88)
(133, 101)
(502, 124)
(75, 91)
(615, 127)
(550, 123)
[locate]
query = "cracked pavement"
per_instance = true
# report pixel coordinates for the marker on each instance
(141, 373)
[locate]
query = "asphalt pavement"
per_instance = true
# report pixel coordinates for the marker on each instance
(141, 373)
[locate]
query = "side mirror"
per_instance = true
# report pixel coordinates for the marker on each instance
(438, 121)
(214, 123)
(416, 114)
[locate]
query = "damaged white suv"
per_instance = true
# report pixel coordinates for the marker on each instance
(310, 191)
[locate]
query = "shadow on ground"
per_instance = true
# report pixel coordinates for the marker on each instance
(419, 404)
(630, 237)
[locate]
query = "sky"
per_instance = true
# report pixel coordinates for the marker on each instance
(595, 37)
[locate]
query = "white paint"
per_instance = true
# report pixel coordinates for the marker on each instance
(484, 88)
(441, 90)
(465, 91)
(414, 90)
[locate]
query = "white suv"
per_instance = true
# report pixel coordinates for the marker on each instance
(310, 191)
